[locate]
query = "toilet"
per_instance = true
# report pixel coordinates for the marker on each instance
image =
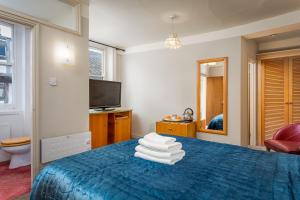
(19, 149)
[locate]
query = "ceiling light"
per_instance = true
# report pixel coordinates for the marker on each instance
(173, 42)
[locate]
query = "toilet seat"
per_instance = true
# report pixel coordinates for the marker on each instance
(18, 141)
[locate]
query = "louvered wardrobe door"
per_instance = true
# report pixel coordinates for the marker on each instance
(275, 96)
(294, 102)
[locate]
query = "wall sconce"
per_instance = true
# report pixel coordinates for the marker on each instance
(67, 55)
(64, 54)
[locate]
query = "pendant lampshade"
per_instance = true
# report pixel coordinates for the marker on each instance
(173, 42)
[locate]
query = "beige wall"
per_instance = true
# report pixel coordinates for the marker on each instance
(63, 109)
(163, 81)
(293, 42)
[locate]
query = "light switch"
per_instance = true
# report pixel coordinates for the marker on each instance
(52, 81)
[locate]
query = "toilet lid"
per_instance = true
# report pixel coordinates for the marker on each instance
(15, 141)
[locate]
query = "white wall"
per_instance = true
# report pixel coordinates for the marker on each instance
(293, 42)
(160, 82)
(54, 11)
(63, 109)
(67, 18)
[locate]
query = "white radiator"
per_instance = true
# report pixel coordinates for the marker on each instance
(59, 147)
(5, 130)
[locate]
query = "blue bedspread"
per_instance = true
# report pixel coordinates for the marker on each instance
(216, 123)
(208, 171)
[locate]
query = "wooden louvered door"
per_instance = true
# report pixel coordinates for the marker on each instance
(294, 90)
(275, 96)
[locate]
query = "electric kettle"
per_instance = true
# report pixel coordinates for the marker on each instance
(188, 114)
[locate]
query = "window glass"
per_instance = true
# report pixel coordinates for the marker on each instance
(6, 65)
(96, 58)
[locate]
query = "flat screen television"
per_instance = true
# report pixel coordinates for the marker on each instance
(104, 94)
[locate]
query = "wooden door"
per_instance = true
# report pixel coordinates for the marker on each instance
(214, 97)
(294, 90)
(98, 128)
(275, 96)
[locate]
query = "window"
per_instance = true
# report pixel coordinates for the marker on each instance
(96, 59)
(6, 64)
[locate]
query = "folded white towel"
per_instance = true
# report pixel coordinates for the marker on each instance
(170, 161)
(160, 147)
(159, 139)
(159, 154)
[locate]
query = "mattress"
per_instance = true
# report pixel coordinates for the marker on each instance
(208, 171)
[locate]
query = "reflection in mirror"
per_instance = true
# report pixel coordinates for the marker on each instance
(212, 95)
(59, 12)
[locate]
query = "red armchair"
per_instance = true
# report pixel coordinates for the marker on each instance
(286, 139)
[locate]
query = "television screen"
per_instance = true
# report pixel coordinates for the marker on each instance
(105, 94)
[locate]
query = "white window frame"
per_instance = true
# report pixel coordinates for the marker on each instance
(13, 105)
(102, 48)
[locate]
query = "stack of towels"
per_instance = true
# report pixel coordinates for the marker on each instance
(160, 149)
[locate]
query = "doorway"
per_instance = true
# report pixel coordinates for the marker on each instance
(16, 108)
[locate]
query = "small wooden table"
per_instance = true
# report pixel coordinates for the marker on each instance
(177, 128)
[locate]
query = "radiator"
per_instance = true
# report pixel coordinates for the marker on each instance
(5, 130)
(59, 147)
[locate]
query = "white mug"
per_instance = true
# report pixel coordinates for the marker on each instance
(173, 116)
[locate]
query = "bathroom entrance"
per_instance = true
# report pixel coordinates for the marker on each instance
(16, 108)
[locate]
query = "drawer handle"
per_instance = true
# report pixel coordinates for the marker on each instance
(121, 117)
(170, 129)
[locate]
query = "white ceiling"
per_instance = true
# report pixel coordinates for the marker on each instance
(127, 23)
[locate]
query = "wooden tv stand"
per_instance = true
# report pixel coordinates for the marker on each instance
(108, 127)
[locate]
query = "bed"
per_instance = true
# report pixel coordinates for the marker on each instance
(216, 123)
(208, 171)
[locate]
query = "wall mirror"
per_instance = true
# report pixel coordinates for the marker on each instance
(212, 96)
(64, 14)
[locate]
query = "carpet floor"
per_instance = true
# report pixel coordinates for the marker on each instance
(14, 182)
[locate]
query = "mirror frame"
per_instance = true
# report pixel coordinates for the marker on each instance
(225, 95)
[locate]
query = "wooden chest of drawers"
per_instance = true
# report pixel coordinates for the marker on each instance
(177, 129)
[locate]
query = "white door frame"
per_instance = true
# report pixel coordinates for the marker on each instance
(252, 102)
